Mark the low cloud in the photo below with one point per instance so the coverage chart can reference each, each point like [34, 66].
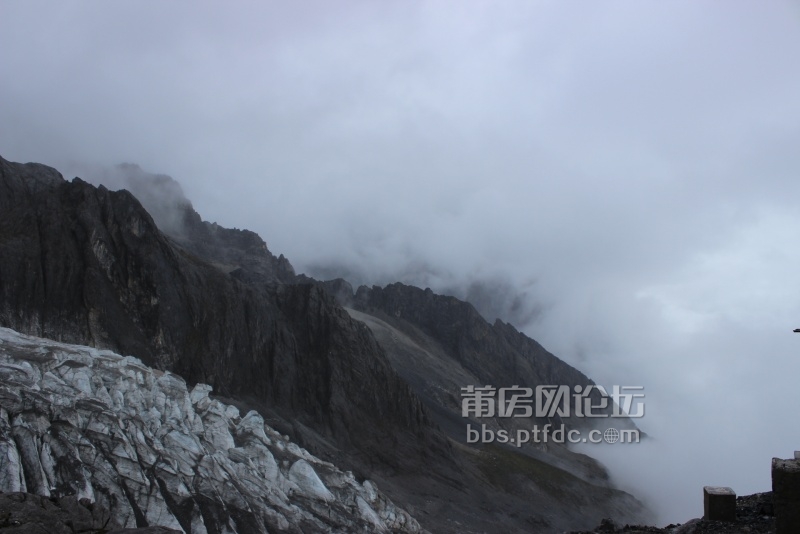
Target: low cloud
[617, 181]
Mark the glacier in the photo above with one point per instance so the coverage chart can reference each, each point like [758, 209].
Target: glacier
[81, 421]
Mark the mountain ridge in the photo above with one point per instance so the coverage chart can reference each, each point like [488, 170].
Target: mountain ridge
[95, 268]
[215, 306]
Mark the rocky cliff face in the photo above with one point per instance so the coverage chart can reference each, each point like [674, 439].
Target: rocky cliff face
[440, 344]
[86, 265]
[487, 354]
[230, 250]
[137, 442]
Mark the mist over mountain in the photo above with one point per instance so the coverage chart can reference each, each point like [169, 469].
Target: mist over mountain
[672, 407]
[495, 297]
[87, 265]
[617, 181]
[161, 194]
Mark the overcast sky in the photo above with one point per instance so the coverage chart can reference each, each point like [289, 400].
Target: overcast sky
[628, 169]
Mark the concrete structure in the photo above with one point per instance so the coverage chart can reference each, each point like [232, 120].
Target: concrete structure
[719, 503]
[786, 495]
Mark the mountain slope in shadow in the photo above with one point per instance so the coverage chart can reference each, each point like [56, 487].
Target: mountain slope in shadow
[86, 265]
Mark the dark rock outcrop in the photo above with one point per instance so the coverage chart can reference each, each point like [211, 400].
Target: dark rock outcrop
[754, 515]
[228, 249]
[26, 513]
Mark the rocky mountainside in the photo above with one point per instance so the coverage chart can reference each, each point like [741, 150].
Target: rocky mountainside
[240, 252]
[137, 442]
[438, 344]
[85, 265]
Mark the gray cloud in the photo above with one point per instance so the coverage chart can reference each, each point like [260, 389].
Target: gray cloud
[618, 179]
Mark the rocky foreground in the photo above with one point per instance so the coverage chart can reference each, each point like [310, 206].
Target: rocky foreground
[25, 513]
[87, 434]
[753, 515]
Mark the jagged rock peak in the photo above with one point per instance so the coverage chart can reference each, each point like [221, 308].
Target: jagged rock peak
[30, 177]
[164, 199]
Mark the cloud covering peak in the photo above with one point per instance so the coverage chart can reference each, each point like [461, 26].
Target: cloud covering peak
[622, 177]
